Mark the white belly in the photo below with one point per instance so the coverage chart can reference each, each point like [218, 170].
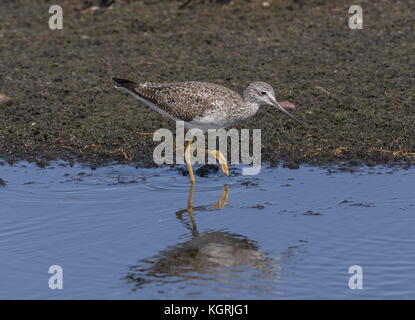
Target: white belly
[208, 122]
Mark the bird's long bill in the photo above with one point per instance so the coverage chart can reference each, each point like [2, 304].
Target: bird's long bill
[279, 107]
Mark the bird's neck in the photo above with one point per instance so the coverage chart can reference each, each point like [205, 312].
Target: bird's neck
[251, 106]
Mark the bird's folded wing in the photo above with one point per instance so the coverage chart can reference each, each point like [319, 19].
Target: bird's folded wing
[186, 100]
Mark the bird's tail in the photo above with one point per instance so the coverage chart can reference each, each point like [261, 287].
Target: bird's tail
[122, 83]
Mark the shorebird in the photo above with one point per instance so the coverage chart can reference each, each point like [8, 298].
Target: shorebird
[203, 105]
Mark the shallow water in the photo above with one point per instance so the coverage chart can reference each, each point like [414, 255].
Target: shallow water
[120, 232]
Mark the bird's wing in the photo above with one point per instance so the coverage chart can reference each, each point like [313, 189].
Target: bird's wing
[186, 100]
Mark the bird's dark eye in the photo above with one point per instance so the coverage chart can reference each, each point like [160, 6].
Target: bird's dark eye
[263, 93]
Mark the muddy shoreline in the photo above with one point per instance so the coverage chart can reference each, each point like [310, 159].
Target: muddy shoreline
[354, 88]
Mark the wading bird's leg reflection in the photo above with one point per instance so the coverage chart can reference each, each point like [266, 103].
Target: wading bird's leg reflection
[190, 207]
[223, 200]
[189, 210]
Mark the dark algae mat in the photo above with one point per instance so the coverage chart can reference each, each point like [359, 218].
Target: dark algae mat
[354, 88]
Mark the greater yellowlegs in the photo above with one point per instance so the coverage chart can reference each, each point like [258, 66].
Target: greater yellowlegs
[203, 105]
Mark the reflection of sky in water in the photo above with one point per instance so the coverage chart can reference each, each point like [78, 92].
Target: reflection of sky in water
[121, 232]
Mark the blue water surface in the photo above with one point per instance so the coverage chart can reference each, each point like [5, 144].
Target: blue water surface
[124, 233]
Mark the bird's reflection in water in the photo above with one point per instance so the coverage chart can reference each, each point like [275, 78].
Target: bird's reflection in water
[213, 255]
[223, 200]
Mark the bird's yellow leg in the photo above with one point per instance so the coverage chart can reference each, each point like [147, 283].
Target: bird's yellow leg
[187, 158]
[221, 159]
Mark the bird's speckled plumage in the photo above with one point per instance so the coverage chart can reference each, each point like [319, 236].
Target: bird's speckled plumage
[204, 106]
[201, 105]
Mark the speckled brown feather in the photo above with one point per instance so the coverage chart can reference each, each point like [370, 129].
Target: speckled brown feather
[185, 100]
[203, 105]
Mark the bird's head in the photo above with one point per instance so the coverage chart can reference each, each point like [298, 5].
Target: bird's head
[263, 94]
